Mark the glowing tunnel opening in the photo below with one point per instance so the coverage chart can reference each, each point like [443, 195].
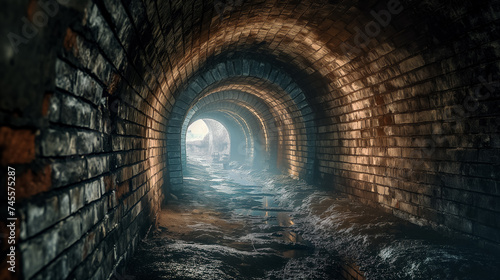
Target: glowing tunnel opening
[208, 139]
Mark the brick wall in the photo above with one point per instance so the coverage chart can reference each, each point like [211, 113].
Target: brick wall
[392, 102]
[90, 152]
[407, 135]
[404, 97]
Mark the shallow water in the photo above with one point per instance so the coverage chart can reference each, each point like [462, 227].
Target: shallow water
[240, 224]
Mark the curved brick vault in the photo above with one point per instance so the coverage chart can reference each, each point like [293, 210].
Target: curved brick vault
[273, 87]
[249, 113]
[242, 142]
[394, 103]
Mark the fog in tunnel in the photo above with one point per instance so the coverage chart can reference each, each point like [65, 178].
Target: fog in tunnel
[254, 139]
[207, 138]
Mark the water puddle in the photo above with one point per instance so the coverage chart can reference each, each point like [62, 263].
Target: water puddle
[224, 188]
[239, 224]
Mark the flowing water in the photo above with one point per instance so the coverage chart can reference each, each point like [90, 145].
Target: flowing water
[240, 224]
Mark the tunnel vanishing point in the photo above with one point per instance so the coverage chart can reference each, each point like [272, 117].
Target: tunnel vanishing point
[394, 103]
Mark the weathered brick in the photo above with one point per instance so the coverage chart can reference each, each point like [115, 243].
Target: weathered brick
[17, 146]
[76, 112]
[42, 249]
[77, 198]
[57, 143]
[93, 191]
[97, 165]
[33, 181]
[42, 214]
[67, 172]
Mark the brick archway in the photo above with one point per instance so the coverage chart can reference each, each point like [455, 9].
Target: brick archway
[265, 86]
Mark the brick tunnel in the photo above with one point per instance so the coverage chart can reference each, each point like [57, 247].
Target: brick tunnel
[393, 104]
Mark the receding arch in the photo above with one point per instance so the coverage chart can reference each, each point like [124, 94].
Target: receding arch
[256, 132]
[245, 106]
[238, 133]
[276, 90]
[208, 137]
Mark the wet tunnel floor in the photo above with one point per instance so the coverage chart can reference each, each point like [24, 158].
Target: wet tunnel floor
[240, 224]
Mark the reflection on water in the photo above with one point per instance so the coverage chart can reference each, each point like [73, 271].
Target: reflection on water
[236, 224]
